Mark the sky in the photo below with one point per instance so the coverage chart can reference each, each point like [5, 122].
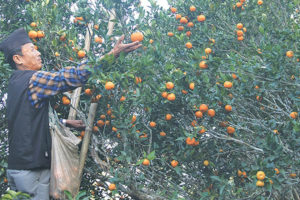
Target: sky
[162, 3]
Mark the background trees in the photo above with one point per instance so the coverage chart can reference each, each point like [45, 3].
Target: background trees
[219, 150]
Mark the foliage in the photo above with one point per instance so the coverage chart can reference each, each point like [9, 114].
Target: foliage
[264, 93]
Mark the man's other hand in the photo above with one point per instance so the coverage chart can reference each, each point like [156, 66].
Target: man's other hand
[120, 47]
[78, 124]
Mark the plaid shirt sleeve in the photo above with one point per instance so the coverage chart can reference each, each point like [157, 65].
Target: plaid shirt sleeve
[45, 84]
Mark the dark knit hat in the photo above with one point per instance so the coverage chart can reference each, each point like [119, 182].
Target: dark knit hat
[13, 41]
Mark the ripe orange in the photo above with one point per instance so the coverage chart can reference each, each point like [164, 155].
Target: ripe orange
[211, 112]
[112, 187]
[202, 130]
[180, 28]
[293, 175]
[190, 24]
[203, 64]
[133, 119]
[228, 108]
[170, 34]
[151, 41]
[184, 91]
[201, 18]
[239, 33]
[239, 173]
[212, 41]
[234, 76]
[32, 34]
[260, 183]
[227, 84]
[137, 36]
[183, 20]
[238, 4]
[171, 97]
[260, 2]
[81, 54]
[190, 141]
[239, 26]
[294, 115]
[240, 38]
[79, 18]
[230, 130]
[290, 54]
[114, 129]
[82, 133]
[192, 8]
[122, 98]
[260, 175]
[173, 10]
[146, 162]
[193, 123]
[169, 85]
[192, 86]
[152, 124]
[199, 114]
[56, 54]
[207, 51]
[162, 133]
[174, 163]
[102, 116]
[33, 24]
[40, 34]
[178, 16]
[276, 170]
[109, 85]
[188, 33]
[138, 80]
[164, 94]
[168, 117]
[66, 100]
[203, 108]
[96, 26]
[88, 91]
[206, 163]
[98, 40]
[95, 129]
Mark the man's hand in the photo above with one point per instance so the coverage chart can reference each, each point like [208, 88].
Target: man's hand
[78, 124]
[120, 47]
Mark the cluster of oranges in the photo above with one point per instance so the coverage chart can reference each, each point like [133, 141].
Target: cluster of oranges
[35, 34]
[240, 32]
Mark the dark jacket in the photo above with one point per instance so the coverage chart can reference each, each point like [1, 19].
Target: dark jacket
[29, 136]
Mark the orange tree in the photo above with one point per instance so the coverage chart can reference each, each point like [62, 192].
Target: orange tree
[207, 108]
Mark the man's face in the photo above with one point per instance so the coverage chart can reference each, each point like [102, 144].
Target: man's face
[31, 58]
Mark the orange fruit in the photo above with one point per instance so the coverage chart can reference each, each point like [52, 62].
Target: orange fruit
[96, 26]
[212, 41]
[174, 163]
[230, 130]
[293, 175]
[192, 8]
[65, 100]
[170, 34]
[183, 20]
[188, 33]
[98, 40]
[173, 10]
[102, 116]
[207, 51]
[32, 34]
[180, 28]
[260, 2]
[238, 4]
[82, 133]
[33, 24]
[137, 36]
[95, 129]
[234, 76]
[190, 24]
[114, 129]
[81, 54]
[211, 112]
[294, 115]
[190, 141]
[193, 123]
[112, 187]
[276, 171]
[240, 38]
[192, 86]
[79, 18]
[151, 41]
[88, 91]
[239, 173]
[184, 91]
[98, 97]
[162, 133]
[169, 85]
[171, 97]
[122, 98]
[290, 54]
[203, 64]
[152, 124]
[168, 117]
[109, 85]
[164, 94]
[133, 119]
[146, 162]
[109, 112]
[227, 84]
[260, 175]
[203, 57]
[239, 26]
[202, 130]
[203, 108]
[205, 162]
[178, 16]
[40, 34]
[260, 183]
[57, 54]
[245, 29]
[201, 18]
[239, 33]
[228, 108]
[244, 174]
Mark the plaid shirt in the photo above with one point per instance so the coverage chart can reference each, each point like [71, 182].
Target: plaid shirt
[43, 84]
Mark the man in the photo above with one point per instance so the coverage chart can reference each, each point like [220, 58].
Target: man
[29, 91]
